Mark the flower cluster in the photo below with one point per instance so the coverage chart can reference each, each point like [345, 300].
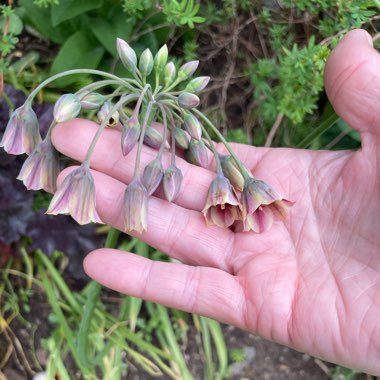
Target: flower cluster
[155, 91]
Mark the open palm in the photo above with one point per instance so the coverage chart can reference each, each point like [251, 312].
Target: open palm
[311, 282]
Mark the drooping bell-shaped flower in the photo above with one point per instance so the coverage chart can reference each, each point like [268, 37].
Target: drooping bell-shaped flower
[222, 206]
[76, 196]
[260, 204]
[130, 134]
[41, 169]
[152, 175]
[172, 182]
[66, 108]
[22, 133]
[135, 207]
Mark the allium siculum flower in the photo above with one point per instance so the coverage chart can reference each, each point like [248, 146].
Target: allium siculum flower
[172, 182]
[222, 207]
[152, 175]
[22, 134]
[66, 108]
[130, 134]
[260, 204]
[197, 153]
[41, 169]
[76, 196]
[232, 172]
[136, 207]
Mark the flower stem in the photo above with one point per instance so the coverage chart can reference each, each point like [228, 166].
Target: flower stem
[136, 174]
[172, 136]
[215, 153]
[140, 100]
[96, 85]
[76, 71]
[120, 103]
[164, 121]
[244, 171]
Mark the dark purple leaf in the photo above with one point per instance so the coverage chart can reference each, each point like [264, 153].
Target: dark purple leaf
[50, 233]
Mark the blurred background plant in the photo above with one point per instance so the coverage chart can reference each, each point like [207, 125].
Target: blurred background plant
[266, 60]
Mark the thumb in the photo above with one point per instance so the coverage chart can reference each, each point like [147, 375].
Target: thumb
[352, 81]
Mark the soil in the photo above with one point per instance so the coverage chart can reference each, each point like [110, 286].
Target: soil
[261, 359]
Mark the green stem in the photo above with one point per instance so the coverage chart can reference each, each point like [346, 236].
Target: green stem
[177, 81]
[140, 100]
[136, 173]
[156, 87]
[93, 292]
[319, 130]
[215, 153]
[52, 298]
[76, 71]
[96, 85]
[172, 137]
[164, 121]
[242, 168]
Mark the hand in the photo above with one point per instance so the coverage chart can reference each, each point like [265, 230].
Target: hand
[311, 282]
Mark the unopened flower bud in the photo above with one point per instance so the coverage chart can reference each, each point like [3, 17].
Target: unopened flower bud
[197, 153]
[172, 182]
[232, 172]
[146, 62]
[66, 108]
[76, 196]
[193, 126]
[135, 207]
[22, 132]
[187, 70]
[104, 113]
[153, 138]
[169, 73]
[92, 101]
[197, 84]
[41, 169]
[187, 100]
[181, 138]
[160, 59]
[127, 55]
[130, 134]
[152, 175]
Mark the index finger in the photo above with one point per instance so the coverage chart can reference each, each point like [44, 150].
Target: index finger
[73, 140]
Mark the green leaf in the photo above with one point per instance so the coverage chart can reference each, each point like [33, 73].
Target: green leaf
[106, 31]
[80, 51]
[67, 9]
[40, 19]
[14, 26]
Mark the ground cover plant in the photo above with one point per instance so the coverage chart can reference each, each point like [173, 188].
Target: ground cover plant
[266, 61]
